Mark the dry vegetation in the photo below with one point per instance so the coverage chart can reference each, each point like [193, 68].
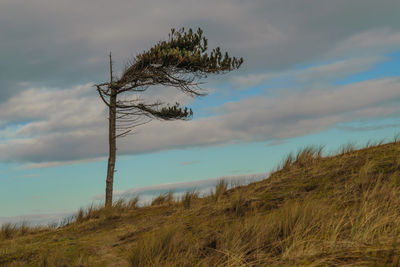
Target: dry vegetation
[341, 210]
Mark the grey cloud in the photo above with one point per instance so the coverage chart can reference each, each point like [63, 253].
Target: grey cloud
[64, 43]
[49, 164]
[55, 44]
[252, 79]
[41, 104]
[55, 147]
[253, 119]
[338, 69]
[321, 74]
[373, 41]
[47, 110]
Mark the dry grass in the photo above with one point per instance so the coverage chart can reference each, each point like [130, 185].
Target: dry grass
[219, 191]
[164, 199]
[304, 157]
[341, 210]
[118, 208]
[188, 198]
[10, 231]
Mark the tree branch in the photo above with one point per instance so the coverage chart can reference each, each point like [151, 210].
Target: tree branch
[100, 91]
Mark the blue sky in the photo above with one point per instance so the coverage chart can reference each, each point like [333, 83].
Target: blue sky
[307, 80]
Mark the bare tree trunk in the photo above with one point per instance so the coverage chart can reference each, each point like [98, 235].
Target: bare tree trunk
[111, 141]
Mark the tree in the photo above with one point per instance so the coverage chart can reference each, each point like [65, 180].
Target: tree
[179, 62]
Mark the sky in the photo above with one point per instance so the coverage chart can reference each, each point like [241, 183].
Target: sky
[315, 72]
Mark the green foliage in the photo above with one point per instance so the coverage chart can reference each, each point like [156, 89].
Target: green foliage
[168, 112]
[186, 52]
[176, 111]
[177, 62]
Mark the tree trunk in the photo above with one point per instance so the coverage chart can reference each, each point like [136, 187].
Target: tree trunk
[112, 149]
[111, 140]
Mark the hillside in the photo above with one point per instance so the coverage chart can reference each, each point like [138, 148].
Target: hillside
[341, 210]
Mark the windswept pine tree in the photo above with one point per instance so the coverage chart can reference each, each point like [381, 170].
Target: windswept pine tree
[179, 62]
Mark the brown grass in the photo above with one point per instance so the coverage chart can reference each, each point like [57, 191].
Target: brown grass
[341, 210]
[164, 199]
[188, 198]
[219, 191]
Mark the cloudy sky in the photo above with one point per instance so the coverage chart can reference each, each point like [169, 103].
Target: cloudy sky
[315, 72]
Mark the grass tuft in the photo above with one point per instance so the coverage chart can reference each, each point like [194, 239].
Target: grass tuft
[188, 198]
[303, 158]
[8, 230]
[164, 199]
[347, 148]
[219, 191]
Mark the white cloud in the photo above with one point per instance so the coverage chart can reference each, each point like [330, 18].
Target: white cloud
[319, 74]
[337, 69]
[57, 141]
[54, 104]
[56, 163]
[53, 43]
[249, 80]
[371, 41]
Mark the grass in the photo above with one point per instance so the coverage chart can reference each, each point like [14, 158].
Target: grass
[9, 231]
[188, 198]
[220, 190]
[164, 199]
[339, 210]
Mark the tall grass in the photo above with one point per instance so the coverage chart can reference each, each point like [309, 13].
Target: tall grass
[13, 230]
[8, 230]
[188, 198]
[356, 223]
[164, 199]
[119, 207]
[304, 157]
[219, 191]
[341, 210]
[306, 232]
